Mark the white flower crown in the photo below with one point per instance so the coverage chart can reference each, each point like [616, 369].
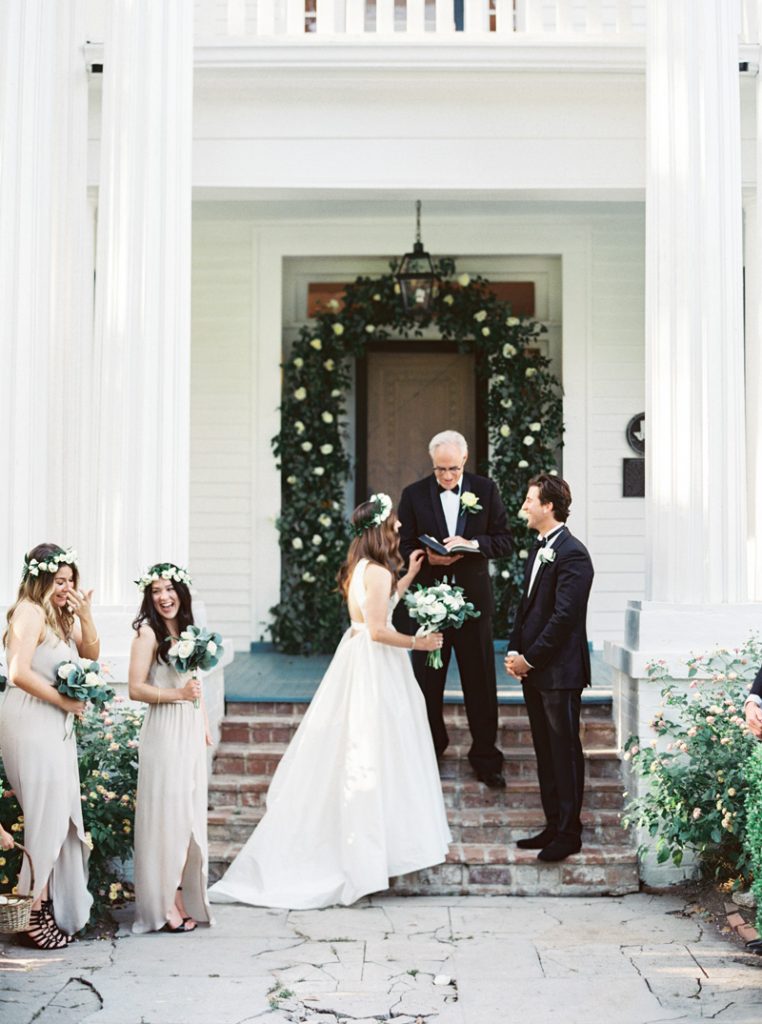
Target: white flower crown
[381, 512]
[33, 568]
[163, 571]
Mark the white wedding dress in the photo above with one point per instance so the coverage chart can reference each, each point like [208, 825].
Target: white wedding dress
[356, 798]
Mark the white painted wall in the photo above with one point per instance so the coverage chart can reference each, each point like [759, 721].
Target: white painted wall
[239, 316]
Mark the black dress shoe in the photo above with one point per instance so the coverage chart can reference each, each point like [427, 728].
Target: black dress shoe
[538, 842]
[560, 849]
[492, 779]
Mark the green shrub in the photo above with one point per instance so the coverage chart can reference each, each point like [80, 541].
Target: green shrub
[696, 767]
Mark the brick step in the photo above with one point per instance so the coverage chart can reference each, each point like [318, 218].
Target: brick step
[489, 869]
[597, 731]
[496, 825]
[263, 758]
[231, 790]
[452, 712]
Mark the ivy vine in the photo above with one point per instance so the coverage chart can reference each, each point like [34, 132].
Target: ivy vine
[524, 425]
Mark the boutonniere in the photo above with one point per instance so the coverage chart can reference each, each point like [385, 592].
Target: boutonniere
[546, 555]
[470, 503]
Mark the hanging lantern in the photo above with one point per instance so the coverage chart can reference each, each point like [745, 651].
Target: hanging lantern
[419, 285]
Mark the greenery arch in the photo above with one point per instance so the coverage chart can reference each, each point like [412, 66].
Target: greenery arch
[524, 414]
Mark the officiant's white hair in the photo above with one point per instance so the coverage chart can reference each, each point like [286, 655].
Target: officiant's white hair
[448, 437]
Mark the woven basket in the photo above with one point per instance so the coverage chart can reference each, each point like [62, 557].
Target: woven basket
[15, 911]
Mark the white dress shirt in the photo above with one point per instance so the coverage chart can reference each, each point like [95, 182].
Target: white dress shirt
[451, 508]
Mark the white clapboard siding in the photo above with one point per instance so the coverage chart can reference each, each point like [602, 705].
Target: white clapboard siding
[220, 515]
[615, 525]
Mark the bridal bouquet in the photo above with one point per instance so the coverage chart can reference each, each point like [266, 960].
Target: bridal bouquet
[83, 681]
[438, 607]
[195, 650]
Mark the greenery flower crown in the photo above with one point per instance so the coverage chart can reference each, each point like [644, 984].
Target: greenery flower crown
[163, 571]
[382, 507]
[51, 564]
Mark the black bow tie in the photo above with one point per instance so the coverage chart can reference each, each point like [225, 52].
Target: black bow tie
[452, 490]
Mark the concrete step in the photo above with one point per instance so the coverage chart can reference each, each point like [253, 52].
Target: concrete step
[493, 825]
[263, 758]
[597, 731]
[232, 790]
[495, 869]
[591, 708]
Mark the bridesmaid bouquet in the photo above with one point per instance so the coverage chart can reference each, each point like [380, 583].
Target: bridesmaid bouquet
[196, 649]
[441, 606]
[82, 682]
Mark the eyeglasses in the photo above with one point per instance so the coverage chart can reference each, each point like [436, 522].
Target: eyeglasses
[441, 470]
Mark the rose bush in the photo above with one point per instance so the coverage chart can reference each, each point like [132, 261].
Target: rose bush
[696, 763]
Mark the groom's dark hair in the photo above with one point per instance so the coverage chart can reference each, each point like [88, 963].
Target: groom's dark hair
[553, 491]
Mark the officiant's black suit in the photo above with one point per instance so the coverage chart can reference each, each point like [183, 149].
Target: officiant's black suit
[550, 631]
[420, 511]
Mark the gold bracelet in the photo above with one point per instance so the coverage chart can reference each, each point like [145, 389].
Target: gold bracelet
[412, 642]
[89, 643]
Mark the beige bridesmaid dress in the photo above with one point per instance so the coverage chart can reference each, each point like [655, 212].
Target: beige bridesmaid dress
[39, 752]
[170, 817]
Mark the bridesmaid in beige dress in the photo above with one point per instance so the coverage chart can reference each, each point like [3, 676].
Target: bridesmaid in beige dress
[50, 622]
[170, 818]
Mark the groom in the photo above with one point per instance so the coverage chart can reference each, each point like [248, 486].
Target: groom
[459, 508]
[548, 652]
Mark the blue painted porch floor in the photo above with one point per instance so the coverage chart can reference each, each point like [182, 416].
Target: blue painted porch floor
[265, 675]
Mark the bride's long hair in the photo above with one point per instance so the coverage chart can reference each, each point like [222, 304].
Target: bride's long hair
[379, 544]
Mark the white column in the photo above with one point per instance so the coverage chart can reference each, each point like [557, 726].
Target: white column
[696, 491]
[45, 280]
[142, 325]
[753, 241]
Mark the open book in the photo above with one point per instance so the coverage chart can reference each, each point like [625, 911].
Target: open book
[438, 547]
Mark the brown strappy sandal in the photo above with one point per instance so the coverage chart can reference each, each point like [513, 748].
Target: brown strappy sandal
[41, 934]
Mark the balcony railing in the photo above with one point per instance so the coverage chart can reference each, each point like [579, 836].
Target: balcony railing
[238, 20]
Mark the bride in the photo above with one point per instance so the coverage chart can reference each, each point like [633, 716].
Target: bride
[356, 798]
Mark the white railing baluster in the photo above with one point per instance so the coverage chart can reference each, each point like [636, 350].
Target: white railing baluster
[295, 17]
[384, 17]
[415, 24]
[355, 17]
[594, 20]
[624, 16]
[476, 16]
[265, 17]
[749, 22]
[531, 16]
[203, 21]
[326, 17]
[236, 18]
[445, 17]
[504, 18]
[564, 16]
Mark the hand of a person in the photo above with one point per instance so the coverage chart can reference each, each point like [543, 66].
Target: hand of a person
[6, 839]
[516, 666]
[452, 541]
[431, 642]
[435, 559]
[191, 690]
[415, 562]
[754, 718]
[71, 706]
[80, 603]
[208, 738]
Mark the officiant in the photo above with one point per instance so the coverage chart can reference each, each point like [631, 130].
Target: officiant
[463, 511]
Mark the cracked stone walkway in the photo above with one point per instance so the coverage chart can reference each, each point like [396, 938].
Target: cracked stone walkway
[471, 960]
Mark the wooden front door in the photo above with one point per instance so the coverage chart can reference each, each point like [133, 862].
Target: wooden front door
[405, 396]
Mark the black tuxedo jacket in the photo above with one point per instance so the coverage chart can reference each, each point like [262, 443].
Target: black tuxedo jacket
[550, 628]
[756, 686]
[420, 511]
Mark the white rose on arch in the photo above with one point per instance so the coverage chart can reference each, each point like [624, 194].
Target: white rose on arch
[317, 344]
[300, 394]
[505, 430]
[481, 316]
[297, 543]
[535, 427]
[326, 417]
[528, 440]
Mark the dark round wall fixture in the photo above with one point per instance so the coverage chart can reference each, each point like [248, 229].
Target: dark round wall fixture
[636, 433]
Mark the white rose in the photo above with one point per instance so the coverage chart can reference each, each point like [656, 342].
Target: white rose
[505, 430]
[299, 427]
[298, 362]
[318, 470]
[530, 371]
[523, 553]
[326, 417]
[505, 574]
[509, 351]
[486, 332]
[464, 280]
[173, 651]
[326, 449]
[397, 289]
[522, 464]
[306, 446]
[448, 299]
[321, 558]
[300, 394]
[92, 679]
[377, 297]
[297, 543]
[324, 520]
[329, 365]
[370, 328]
[512, 321]
[469, 499]
[528, 440]
[317, 540]
[65, 669]
[185, 648]
[291, 480]
[553, 472]
[535, 426]
[338, 330]
[316, 343]
[481, 316]
[308, 577]
[211, 647]
[333, 304]
[506, 403]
